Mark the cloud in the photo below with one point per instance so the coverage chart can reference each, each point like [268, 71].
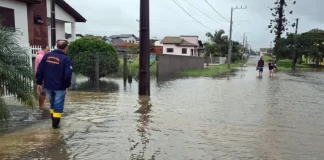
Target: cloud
[107, 17]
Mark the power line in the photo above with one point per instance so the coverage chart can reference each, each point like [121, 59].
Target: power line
[198, 9]
[190, 15]
[216, 10]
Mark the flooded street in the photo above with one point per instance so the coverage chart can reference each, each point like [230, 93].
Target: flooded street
[240, 116]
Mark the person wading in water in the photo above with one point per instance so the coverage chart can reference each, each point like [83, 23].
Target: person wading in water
[260, 66]
[55, 70]
[272, 67]
[39, 57]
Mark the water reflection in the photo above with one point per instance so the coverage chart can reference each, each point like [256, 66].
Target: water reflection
[138, 149]
[102, 86]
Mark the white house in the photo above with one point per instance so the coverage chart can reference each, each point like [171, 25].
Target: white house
[264, 51]
[32, 19]
[183, 45]
[130, 38]
[158, 43]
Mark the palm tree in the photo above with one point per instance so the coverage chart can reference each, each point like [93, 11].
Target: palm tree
[220, 39]
[16, 74]
[217, 37]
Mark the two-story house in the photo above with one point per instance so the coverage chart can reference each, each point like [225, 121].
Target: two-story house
[31, 18]
[183, 45]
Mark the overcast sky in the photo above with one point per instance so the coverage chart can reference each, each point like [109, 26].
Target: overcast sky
[107, 17]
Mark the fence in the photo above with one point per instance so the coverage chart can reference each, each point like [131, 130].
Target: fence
[30, 58]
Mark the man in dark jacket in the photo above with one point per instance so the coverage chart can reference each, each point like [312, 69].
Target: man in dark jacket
[260, 66]
[55, 70]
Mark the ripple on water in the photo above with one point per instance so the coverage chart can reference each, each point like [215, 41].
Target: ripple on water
[240, 117]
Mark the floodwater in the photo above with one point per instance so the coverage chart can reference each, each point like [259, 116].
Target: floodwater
[240, 116]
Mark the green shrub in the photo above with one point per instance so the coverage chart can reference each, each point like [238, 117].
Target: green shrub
[83, 54]
[235, 57]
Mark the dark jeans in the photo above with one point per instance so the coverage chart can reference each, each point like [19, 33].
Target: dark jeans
[56, 99]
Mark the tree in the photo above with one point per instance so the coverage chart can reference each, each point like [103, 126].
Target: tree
[314, 44]
[83, 54]
[133, 49]
[220, 39]
[279, 23]
[16, 74]
[211, 48]
[310, 44]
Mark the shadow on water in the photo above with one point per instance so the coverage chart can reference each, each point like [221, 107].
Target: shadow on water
[144, 119]
[103, 86]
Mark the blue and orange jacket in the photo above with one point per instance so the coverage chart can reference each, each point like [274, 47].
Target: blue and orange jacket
[55, 70]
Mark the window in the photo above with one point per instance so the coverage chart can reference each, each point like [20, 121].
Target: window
[170, 50]
[7, 17]
[184, 50]
[38, 19]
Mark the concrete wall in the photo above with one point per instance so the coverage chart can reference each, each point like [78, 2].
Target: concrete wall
[21, 23]
[168, 64]
[218, 60]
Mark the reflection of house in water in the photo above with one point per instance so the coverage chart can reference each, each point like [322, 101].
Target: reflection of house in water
[103, 86]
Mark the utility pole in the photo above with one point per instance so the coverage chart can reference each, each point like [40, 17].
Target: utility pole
[243, 50]
[144, 58]
[53, 24]
[230, 37]
[246, 44]
[270, 50]
[294, 58]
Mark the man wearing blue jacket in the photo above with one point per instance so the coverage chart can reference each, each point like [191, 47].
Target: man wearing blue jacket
[55, 70]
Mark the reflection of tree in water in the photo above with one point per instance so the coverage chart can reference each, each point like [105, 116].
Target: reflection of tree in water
[103, 86]
[143, 129]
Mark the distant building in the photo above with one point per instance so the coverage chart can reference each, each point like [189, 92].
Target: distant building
[69, 37]
[157, 47]
[130, 38]
[183, 45]
[264, 51]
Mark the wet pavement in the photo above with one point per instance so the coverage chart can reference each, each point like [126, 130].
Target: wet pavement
[241, 116]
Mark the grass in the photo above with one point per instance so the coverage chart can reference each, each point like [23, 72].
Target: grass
[286, 65]
[268, 58]
[211, 71]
